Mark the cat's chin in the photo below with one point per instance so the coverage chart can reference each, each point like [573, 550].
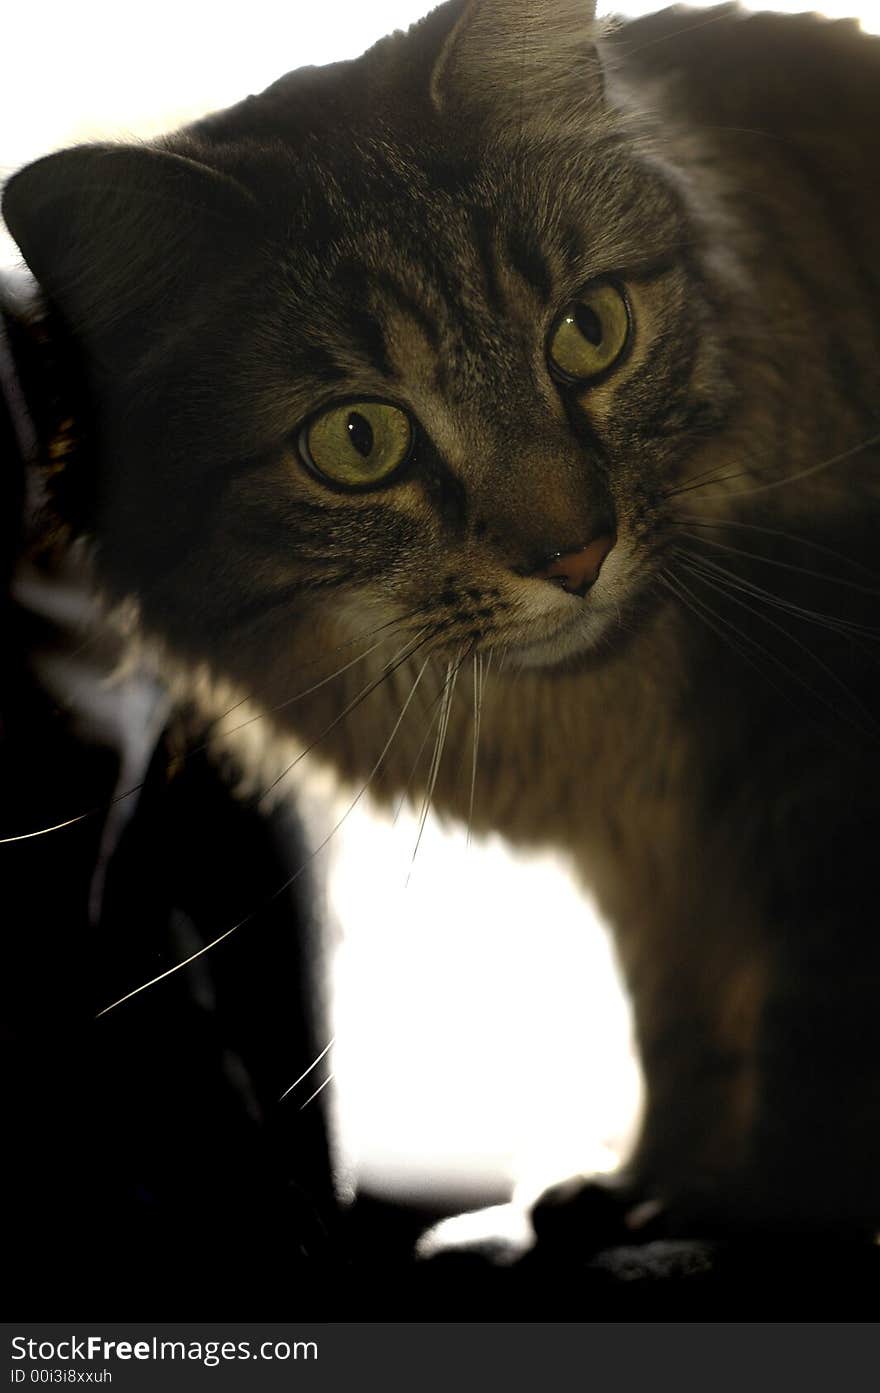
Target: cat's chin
[588, 635]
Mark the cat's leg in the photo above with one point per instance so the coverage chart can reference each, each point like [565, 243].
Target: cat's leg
[698, 992]
[814, 1155]
[759, 1033]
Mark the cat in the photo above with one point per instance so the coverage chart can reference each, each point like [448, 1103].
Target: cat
[539, 356]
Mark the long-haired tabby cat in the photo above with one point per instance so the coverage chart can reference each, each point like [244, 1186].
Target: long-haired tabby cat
[521, 380]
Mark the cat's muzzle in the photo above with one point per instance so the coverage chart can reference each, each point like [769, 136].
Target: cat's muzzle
[577, 571]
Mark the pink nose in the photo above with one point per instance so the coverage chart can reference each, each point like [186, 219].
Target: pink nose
[577, 571]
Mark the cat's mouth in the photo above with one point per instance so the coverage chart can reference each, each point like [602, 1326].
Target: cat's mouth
[583, 633]
[557, 625]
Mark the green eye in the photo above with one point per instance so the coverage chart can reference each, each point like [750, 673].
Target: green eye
[358, 445]
[590, 334]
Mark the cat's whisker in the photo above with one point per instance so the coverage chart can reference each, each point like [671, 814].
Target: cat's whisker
[300, 696]
[305, 1073]
[714, 477]
[730, 634]
[695, 480]
[408, 651]
[726, 590]
[69, 822]
[693, 521]
[395, 625]
[714, 18]
[747, 587]
[478, 709]
[807, 473]
[435, 710]
[321, 1086]
[103, 808]
[812, 469]
[435, 764]
[185, 962]
[291, 880]
[452, 670]
[766, 653]
[783, 565]
[412, 773]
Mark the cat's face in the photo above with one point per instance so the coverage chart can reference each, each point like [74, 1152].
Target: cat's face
[488, 370]
[417, 354]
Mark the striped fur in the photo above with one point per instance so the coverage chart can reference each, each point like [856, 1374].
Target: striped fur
[408, 227]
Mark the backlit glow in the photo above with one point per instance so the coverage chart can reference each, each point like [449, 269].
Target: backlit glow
[483, 1040]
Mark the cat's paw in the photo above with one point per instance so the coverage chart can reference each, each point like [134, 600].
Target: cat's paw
[587, 1214]
[499, 1235]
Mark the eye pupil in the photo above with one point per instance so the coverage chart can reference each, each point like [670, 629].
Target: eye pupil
[590, 335]
[357, 444]
[360, 433]
[589, 324]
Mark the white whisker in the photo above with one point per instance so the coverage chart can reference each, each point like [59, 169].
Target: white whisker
[812, 468]
[780, 602]
[57, 826]
[291, 879]
[306, 1072]
[693, 521]
[409, 649]
[270, 710]
[724, 628]
[319, 1089]
[212, 724]
[176, 968]
[703, 481]
[448, 689]
[725, 589]
[478, 710]
[438, 704]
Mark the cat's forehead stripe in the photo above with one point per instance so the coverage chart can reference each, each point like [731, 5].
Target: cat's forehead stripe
[528, 259]
[455, 311]
[448, 296]
[407, 303]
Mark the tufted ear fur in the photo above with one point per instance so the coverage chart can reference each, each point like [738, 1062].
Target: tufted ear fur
[121, 239]
[515, 61]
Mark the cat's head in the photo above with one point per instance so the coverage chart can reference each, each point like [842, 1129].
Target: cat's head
[426, 336]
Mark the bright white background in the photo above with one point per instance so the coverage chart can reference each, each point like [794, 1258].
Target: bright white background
[481, 1034]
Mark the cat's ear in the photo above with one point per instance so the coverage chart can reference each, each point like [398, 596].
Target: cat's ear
[515, 61]
[121, 238]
